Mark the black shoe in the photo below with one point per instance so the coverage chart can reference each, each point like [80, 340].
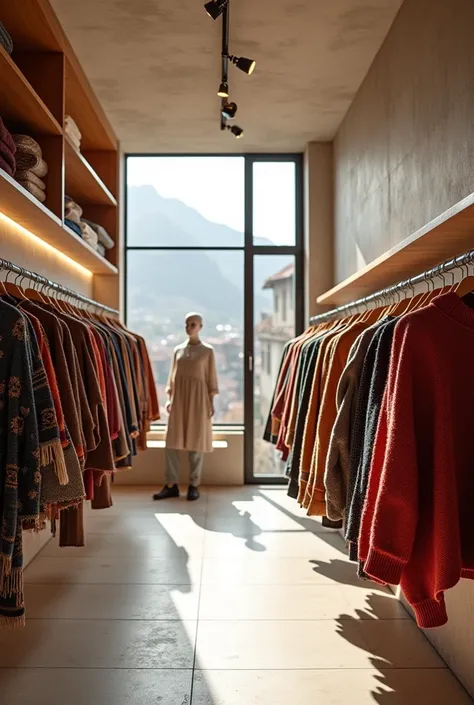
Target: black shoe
[167, 492]
[193, 493]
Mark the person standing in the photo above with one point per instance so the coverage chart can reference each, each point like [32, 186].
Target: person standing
[191, 389]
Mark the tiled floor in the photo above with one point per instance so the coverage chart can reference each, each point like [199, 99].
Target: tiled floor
[237, 599]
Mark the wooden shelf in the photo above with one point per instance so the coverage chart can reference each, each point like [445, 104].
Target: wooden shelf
[19, 205]
[82, 182]
[447, 236]
[19, 102]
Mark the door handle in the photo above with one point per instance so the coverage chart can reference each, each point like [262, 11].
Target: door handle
[250, 363]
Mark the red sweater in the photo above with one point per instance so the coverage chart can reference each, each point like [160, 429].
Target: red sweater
[417, 526]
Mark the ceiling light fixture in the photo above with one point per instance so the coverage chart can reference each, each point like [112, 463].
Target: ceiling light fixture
[236, 131]
[229, 110]
[244, 64]
[215, 8]
[223, 91]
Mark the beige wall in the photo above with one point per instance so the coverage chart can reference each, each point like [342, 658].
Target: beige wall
[403, 155]
[318, 221]
[405, 150]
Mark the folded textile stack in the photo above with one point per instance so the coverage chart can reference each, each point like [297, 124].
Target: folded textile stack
[31, 167]
[7, 151]
[73, 215]
[102, 235]
[5, 39]
[73, 132]
[88, 235]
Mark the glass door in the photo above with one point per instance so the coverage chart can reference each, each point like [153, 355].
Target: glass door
[274, 297]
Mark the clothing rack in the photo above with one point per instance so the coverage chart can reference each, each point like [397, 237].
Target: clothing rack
[8, 266]
[381, 295]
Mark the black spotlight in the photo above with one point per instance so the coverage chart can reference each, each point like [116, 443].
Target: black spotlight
[223, 91]
[215, 8]
[229, 110]
[236, 131]
[245, 65]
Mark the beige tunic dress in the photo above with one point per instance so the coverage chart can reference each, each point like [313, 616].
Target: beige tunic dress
[191, 386]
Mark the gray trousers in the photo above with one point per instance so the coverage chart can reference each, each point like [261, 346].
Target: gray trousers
[196, 461]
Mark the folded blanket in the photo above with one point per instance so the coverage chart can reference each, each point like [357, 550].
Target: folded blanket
[27, 145]
[5, 39]
[28, 175]
[72, 131]
[100, 249]
[72, 210]
[74, 226]
[102, 234]
[6, 137]
[34, 190]
[29, 156]
[7, 156]
[6, 167]
[89, 235]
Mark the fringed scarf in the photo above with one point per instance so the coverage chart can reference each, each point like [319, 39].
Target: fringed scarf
[20, 477]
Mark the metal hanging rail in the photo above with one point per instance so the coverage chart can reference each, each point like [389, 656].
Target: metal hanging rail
[438, 271]
[8, 266]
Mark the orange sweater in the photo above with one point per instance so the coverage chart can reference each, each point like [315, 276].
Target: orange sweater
[312, 413]
[336, 360]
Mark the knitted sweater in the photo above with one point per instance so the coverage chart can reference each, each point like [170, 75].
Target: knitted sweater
[372, 386]
[337, 360]
[417, 521]
[338, 457]
[308, 364]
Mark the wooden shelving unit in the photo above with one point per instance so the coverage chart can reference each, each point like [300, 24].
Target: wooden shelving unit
[23, 208]
[447, 236]
[82, 183]
[20, 103]
[40, 84]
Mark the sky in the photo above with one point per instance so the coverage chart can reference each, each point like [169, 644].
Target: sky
[214, 186]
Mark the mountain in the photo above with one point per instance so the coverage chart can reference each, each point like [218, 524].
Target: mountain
[172, 282]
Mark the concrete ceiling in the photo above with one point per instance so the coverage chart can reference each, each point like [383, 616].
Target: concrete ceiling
[155, 66]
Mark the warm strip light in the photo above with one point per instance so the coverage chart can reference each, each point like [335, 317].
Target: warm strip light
[49, 248]
[162, 444]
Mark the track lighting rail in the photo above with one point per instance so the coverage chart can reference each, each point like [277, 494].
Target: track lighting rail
[216, 9]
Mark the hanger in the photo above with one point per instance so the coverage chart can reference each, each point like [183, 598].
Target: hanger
[34, 294]
[11, 287]
[466, 285]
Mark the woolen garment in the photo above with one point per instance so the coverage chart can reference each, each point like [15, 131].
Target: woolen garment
[311, 420]
[6, 138]
[268, 435]
[7, 157]
[371, 390]
[102, 234]
[338, 458]
[5, 39]
[89, 235]
[19, 458]
[6, 167]
[32, 188]
[191, 387]
[336, 357]
[73, 225]
[417, 528]
[311, 356]
[28, 175]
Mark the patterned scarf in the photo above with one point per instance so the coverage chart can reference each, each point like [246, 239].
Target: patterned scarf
[20, 476]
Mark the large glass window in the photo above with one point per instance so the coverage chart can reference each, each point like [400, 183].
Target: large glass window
[221, 236]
